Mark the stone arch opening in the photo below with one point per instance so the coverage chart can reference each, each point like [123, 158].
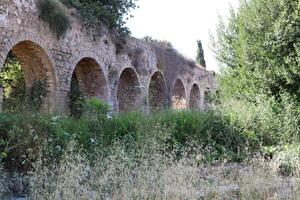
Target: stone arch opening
[178, 101]
[128, 92]
[39, 81]
[195, 100]
[89, 79]
[157, 92]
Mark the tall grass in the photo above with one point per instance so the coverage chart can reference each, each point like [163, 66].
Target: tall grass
[144, 174]
[23, 135]
[169, 155]
[270, 121]
[4, 183]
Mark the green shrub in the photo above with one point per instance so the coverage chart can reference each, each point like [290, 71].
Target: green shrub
[97, 107]
[76, 102]
[53, 12]
[37, 93]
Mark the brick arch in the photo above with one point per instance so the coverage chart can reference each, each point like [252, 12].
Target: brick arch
[157, 94]
[36, 65]
[91, 79]
[128, 91]
[178, 101]
[195, 97]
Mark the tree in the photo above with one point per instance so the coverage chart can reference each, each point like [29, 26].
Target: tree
[259, 49]
[200, 54]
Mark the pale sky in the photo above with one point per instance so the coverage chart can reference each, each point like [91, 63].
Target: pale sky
[182, 22]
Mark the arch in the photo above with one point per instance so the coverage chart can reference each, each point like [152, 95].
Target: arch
[90, 79]
[178, 101]
[36, 66]
[195, 99]
[157, 94]
[128, 92]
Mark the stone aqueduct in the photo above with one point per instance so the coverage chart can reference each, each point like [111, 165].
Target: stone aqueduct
[129, 75]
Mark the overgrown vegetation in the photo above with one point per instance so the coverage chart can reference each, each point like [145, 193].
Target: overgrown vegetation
[152, 172]
[17, 97]
[254, 121]
[76, 99]
[13, 83]
[112, 13]
[95, 13]
[259, 82]
[24, 135]
[89, 152]
[54, 13]
[162, 43]
[259, 50]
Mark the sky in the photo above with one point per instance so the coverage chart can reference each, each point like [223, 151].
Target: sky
[182, 22]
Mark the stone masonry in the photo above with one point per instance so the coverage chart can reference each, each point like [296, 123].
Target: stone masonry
[129, 75]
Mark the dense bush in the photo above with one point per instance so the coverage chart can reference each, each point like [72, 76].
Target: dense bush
[259, 82]
[17, 97]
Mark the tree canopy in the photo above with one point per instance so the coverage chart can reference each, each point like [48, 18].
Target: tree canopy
[259, 49]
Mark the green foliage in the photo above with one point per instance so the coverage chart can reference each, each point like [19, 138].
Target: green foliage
[259, 82]
[259, 48]
[13, 82]
[76, 99]
[97, 107]
[16, 96]
[113, 13]
[270, 122]
[37, 93]
[23, 136]
[53, 12]
[200, 54]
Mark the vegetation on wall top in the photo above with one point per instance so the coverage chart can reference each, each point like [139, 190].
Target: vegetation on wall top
[113, 13]
[54, 13]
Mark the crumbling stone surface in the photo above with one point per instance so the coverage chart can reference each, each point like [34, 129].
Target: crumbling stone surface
[129, 74]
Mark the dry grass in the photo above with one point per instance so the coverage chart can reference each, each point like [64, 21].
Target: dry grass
[4, 183]
[155, 175]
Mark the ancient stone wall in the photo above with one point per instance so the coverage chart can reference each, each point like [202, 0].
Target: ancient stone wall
[131, 75]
